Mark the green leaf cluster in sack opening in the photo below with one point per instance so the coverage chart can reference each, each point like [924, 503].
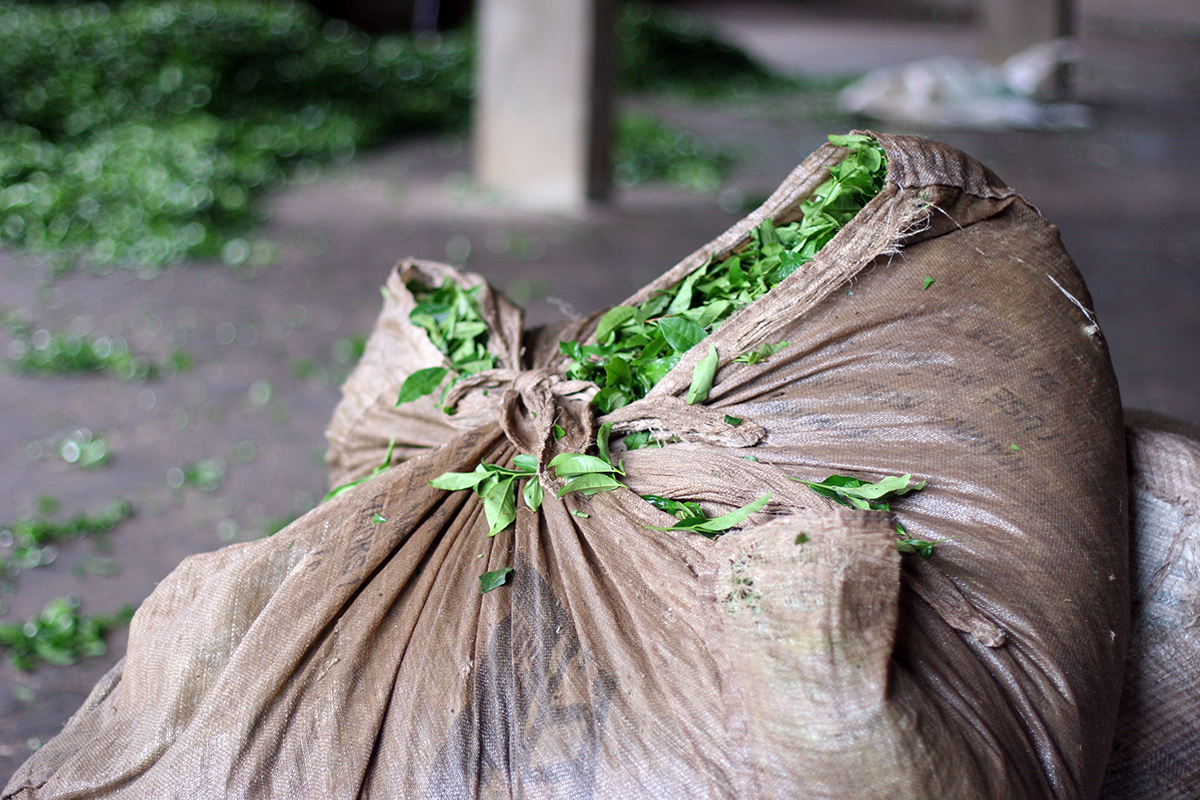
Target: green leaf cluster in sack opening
[635, 347]
[450, 317]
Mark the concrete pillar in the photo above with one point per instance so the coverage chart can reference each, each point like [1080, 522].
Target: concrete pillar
[543, 106]
[1010, 26]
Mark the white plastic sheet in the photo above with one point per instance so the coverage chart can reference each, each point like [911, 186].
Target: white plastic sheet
[949, 92]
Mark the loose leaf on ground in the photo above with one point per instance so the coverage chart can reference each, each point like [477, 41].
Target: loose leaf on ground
[29, 542]
[61, 634]
[493, 579]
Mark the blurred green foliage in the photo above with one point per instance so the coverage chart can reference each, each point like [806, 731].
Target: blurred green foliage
[60, 635]
[646, 149]
[29, 542]
[663, 50]
[44, 352]
[141, 133]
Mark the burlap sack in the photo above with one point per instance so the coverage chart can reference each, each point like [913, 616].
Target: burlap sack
[352, 657]
[1157, 751]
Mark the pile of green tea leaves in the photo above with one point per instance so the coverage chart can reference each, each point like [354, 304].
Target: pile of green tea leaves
[60, 635]
[636, 346]
[143, 132]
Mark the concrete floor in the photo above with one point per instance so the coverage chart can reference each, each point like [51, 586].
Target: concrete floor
[265, 343]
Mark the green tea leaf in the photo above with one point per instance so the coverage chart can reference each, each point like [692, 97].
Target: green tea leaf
[501, 472]
[683, 294]
[559, 433]
[581, 514]
[681, 334]
[721, 523]
[493, 579]
[761, 354]
[383, 465]
[525, 463]
[702, 377]
[533, 494]
[500, 505]
[613, 319]
[378, 518]
[734, 421]
[860, 494]
[589, 484]
[420, 383]
[852, 140]
[569, 464]
[735, 517]
[681, 509]
[456, 481]
[928, 282]
[769, 241]
[602, 437]
[871, 158]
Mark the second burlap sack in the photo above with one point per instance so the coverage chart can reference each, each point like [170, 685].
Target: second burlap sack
[353, 654]
[1157, 750]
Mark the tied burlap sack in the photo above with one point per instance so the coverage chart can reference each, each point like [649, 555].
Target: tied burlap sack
[1157, 751]
[353, 654]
